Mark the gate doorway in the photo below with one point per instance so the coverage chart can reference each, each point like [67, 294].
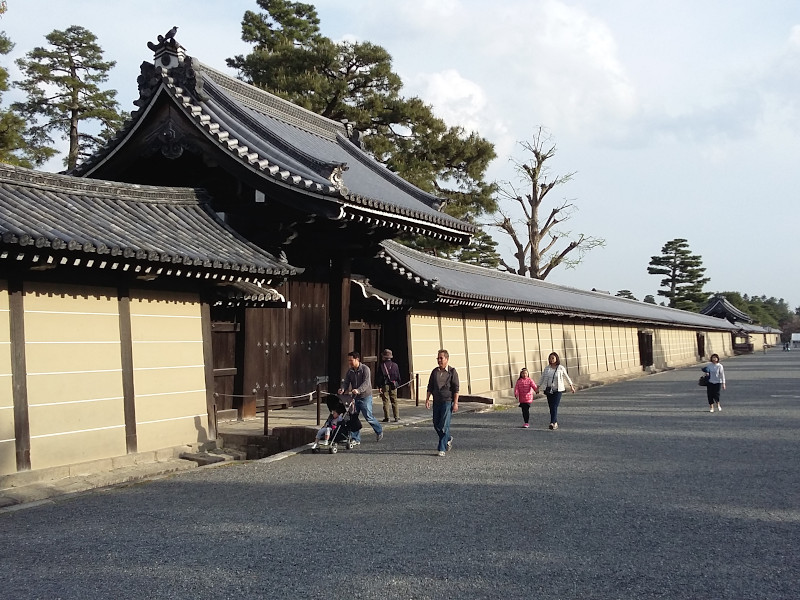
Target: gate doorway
[701, 345]
[365, 338]
[646, 349]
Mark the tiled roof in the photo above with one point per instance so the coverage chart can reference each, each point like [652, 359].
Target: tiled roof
[459, 284]
[370, 292]
[153, 230]
[719, 306]
[248, 294]
[289, 146]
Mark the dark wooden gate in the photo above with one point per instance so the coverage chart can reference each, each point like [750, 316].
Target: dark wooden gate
[285, 349]
[227, 377]
[365, 338]
[701, 345]
[645, 349]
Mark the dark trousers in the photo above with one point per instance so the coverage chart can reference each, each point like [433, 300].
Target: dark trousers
[712, 391]
[553, 400]
[526, 411]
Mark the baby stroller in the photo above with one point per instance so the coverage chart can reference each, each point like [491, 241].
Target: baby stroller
[350, 423]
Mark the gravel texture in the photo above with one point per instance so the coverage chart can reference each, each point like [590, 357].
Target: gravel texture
[641, 493]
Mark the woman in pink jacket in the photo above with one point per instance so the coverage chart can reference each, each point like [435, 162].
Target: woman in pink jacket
[523, 392]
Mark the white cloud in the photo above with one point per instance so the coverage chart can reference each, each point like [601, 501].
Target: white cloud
[454, 98]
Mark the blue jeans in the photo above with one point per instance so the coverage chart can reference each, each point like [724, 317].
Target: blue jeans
[553, 400]
[442, 413]
[364, 407]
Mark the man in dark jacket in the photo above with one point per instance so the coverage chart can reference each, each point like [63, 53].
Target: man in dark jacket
[387, 380]
[443, 386]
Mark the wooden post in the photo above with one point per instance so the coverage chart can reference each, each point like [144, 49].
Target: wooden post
[266, 410]
[319, 397]
[416, 381]
[339, 319]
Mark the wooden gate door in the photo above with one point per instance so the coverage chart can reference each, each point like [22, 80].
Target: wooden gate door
[266, 360]
[365, 338]
[224, 344]
[307, 335]
[645, 349]
[701, 345]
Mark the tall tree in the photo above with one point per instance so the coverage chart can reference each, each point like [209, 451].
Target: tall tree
[14, 149]
[62, 87]
[536, 234]
[626, 294]
[354, 82]
[683, 275]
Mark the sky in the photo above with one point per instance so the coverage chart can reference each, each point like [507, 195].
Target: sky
[680, 118]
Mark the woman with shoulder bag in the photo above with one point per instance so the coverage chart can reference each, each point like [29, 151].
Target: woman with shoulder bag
[716, 380]
[552, 382]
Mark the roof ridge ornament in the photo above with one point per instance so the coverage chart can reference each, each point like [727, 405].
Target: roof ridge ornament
[168, 51]
[336, 177]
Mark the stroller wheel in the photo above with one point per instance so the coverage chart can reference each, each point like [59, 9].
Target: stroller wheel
[333, 449]
[349, 445]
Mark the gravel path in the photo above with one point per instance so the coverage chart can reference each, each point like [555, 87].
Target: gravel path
[641, 493]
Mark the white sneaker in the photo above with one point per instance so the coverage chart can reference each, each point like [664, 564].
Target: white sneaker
[442, 453]
[719, 408]
[323, 442]
[711, 409]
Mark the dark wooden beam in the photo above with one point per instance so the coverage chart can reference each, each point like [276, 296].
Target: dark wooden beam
[208, 361]
[339, 323]
[19, 375]
[126, 358]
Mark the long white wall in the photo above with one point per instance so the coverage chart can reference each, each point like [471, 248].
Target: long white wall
[489, 349]
[74, 376]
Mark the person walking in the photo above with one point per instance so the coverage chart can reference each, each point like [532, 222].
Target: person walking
[552, 382]
[443, 386]
[524, 390]
[388, 380]
[358, 383]
[716, 380]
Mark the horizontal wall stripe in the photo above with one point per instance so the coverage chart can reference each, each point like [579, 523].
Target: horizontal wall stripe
[68, 312]
[76, 342]
[164, 316]
[171, 419]
[75, 402]
[162, 368]
[7, 441]
[75, 372]
[170, 393]
[168, 341]
[47, 435]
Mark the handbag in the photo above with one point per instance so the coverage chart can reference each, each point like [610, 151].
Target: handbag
[703, 381]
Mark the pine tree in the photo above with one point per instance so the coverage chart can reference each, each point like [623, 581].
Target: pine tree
[354, 82]
[625, 294]
[14, 150]
[61, 83]
[683, 275]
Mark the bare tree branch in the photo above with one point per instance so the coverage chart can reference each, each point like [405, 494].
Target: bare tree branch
[534, 240]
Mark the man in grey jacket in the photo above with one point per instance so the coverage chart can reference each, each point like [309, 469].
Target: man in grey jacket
[358, 383]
